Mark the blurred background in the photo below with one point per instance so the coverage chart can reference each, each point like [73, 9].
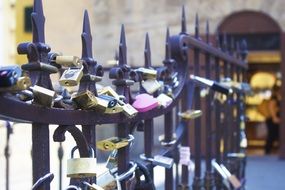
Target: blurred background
[260, 22]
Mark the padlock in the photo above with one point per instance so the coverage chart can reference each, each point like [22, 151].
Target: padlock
[71, 76]
[220, 171]
[9, 75]
[108, 91]
[81, 167]
[128, 110]
[85, 100]
[215, 86]
[43, 96]
[68, 61]
[163, 142]
[112, 162]
[92, 186]
[113, 143]
[89, 77]
[190, 114]
[22, 83]
[231, 178]
[147, 73]
[159, 160]
[151, 85]
[110, 101]
[164, 100]
[145, 102]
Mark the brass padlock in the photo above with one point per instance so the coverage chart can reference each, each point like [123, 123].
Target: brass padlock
[71, 76]
[110, 101]
[68, 61]
[113, 110]
[108, 104]
[43, 96]
[151, 85]
[112, 143]
[190, 114]
[129, 110]
[85, 100]
[147, 73]
[108, 91]
[22, 84]
[81, 167]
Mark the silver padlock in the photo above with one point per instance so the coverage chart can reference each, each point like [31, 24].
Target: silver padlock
[81, 167]
[43, 96]
[93, 186]
[220, 171]
[231, 178]
[71, 76]
[164, 100]
[112, 162]
[159, 160]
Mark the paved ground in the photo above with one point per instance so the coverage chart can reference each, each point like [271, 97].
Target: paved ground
[263, 173]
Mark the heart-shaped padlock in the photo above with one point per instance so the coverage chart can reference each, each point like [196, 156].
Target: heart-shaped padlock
[145, 102]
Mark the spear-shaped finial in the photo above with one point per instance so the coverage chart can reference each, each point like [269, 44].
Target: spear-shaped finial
[207, 32]
[237, 50]
[197, 26]
[232, 45]
[183, 21]
[225, 42]
[147, 52]
[218, 44]
[167, 46]
[38, 22]
[243, 49]
[86, 37]
[123, 48]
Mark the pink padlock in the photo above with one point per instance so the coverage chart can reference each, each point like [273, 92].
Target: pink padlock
[145, 102]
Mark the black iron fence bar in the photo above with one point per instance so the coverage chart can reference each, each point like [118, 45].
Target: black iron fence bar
[204, 47]
[197, 105]
[218, 127]
[239, 113]
[209, 178]
[148, 124]
[168, 137]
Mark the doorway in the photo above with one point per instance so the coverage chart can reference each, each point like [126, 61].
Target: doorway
[263, 36]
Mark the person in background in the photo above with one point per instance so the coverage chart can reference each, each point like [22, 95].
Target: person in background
[273, 121]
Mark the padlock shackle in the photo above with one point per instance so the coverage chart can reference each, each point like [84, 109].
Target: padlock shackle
[90, 155]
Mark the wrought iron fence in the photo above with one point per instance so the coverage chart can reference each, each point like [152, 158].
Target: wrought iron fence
[193, 72]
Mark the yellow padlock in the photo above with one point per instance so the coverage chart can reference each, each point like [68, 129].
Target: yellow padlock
[85, 100]
[112, 143]
[81, 167]
[190, 114]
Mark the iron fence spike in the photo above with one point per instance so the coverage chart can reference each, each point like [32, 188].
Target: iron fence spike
[38, 22]
[86, 37]
[147, 52]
